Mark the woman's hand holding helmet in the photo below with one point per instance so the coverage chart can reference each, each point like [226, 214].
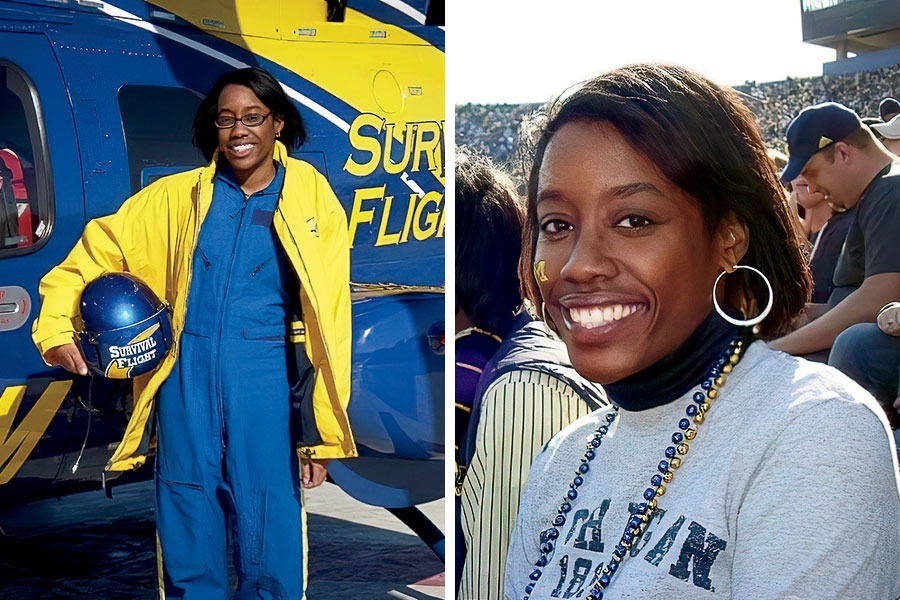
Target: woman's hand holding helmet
[67, 356]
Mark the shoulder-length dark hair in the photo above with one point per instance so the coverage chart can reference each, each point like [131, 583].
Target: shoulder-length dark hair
[489, 218]
[267, 89]
[706, 142]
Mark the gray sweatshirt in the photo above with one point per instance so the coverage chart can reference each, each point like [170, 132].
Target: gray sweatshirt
[790, 490]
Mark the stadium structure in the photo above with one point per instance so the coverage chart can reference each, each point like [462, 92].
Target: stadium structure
[865, 34]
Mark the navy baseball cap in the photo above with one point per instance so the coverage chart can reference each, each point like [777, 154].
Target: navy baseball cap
[813, 129]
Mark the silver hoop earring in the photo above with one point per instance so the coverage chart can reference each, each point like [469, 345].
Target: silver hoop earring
[748, 322]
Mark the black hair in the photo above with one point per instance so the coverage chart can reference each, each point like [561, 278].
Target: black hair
[489, 220]
[267, 89]
[706, 142]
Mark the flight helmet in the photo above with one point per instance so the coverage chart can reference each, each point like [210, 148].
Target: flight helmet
[127, 329]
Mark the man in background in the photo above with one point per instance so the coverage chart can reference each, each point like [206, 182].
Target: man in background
[838, 156]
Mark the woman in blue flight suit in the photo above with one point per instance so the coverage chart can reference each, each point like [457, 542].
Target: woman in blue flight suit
[227, 425]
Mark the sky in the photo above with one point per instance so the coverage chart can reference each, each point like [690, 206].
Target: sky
[530, 50]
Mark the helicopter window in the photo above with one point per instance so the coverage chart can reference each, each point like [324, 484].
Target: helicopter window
[434, 12]
[156, 149]
[25, 207]
[336, 11]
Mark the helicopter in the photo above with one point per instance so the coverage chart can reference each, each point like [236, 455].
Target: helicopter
[97, 100]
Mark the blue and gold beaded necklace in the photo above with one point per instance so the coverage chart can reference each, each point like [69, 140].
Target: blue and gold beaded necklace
[696, 413]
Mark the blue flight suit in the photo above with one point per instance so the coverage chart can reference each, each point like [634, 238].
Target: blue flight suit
[226, 460]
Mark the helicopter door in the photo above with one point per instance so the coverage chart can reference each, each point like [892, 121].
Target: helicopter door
[41, 215]
[41, 200]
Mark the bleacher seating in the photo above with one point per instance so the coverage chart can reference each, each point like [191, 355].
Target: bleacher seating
[494, 128]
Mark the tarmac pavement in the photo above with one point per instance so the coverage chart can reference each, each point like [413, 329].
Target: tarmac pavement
[87, 546]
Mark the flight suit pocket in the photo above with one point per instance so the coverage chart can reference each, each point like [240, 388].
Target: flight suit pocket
[201, 258]
[271, 333]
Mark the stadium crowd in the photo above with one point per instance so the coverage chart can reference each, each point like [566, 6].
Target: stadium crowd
[493, 128]
[776, 103]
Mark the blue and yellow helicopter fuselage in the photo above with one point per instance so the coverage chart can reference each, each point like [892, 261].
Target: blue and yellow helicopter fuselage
[97, 100]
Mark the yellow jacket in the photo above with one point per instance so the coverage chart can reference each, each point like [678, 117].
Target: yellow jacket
[153, 236]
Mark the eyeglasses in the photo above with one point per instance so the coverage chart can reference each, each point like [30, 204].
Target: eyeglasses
[249, 120]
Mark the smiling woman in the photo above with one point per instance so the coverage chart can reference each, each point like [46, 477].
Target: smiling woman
[657, 238]
[614, 233]
[243, 420]
[234, 119]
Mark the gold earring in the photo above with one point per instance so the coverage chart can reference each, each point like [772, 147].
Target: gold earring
[539, 273]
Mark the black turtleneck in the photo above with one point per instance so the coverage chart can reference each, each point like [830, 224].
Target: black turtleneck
[675, 374]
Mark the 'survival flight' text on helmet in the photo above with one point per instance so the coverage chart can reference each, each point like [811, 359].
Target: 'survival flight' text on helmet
[127, 329]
